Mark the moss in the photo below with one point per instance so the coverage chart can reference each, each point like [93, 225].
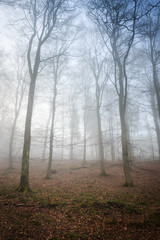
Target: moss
[23, 188]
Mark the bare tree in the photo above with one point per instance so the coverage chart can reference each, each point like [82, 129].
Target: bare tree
[42, 17]
[116, 21]
[155, 114]
[52, 125]
[96, 62]
[149, 31]
[73, 122]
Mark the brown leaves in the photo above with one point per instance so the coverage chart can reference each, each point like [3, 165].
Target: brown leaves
[82, 205]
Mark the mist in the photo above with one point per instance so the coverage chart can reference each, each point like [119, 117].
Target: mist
[80, 85]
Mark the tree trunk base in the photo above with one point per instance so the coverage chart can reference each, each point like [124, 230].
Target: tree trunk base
[23, 189]
[103, 174]
[47, 177]
[83, 165]
[128, 185]
[10, 168]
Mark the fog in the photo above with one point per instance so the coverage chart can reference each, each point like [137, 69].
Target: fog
[80, 101]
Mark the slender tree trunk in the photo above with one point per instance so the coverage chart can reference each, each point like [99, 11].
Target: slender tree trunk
[150, 137]
[18, 103]
[84, 140]
[62, 148]
[101, 148]
[24, 180]
[11, 144]
[124, 128]
[156, 120]
[129, 141]
[111, 138]
[84, 148]
[157, 89]
[71, 146]
[155, 76]
[50, 149]
[125, 150]
[94, 152]
[46, 135]
[100, 137]
[52, 132]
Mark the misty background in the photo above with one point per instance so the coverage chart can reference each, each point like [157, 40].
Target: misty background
[75, 56]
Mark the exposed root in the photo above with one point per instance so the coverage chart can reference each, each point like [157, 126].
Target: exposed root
[128, 185]
[23, 189]
[103, 174]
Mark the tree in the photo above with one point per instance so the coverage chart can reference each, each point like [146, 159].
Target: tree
[53, 108]
[149, 31]
[116, 21]
[155, 115]
[85, 120]
[96, 62]
[42, 17]
[73, 123]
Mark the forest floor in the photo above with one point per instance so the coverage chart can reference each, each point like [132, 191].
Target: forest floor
[77, 203]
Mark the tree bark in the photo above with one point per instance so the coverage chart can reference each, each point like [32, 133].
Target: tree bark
[155, 75]
[84, 146]
[84, 135]
[52, 132]
[111, 137]
[125, 150]
[24, 180]
[10, 167]
[46, 136]
[100, 138]
[156, 122]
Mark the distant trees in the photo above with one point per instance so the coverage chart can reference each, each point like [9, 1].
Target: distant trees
[21, 76]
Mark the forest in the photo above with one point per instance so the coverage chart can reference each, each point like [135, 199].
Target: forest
[80, 119]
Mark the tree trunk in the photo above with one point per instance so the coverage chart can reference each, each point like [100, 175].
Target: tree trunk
[71, 146]
[125, 149]
[62, 148]
[24, 180]
[84, 143]
[46, 136]
[10, 167]
[154, 73]
[52, 132]
[156, 84]
[50, 150]
[156, 120]
[150, 137]
[100, 138]
[111, 138]
[124, 128]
